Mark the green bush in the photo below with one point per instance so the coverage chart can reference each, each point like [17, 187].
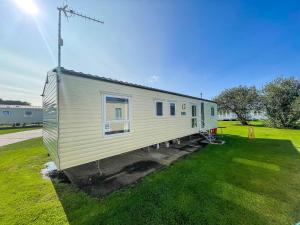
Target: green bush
[281, 99]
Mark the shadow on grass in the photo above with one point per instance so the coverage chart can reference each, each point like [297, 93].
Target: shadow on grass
[260, 124]
[257, 125]
[242, 182]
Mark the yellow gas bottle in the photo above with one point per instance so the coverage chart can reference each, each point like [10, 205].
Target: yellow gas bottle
[251, 134]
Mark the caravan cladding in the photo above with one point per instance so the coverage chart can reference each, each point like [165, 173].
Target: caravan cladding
[50, 116]
[100, 117]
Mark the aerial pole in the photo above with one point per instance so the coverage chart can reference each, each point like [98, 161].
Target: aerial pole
[68, 13]
[59, 42]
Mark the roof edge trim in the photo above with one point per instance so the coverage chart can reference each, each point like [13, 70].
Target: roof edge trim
[104, 79]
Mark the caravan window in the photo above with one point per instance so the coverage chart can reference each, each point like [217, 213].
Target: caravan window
[172, 109]
[212, 111]
[5, 113]
[116, 115]
[183, 109]
[159, 108]
[28, 114]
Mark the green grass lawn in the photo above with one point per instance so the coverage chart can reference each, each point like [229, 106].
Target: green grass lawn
[8, 130]
[242, 182]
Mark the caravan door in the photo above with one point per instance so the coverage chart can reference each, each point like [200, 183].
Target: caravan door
[202, 116]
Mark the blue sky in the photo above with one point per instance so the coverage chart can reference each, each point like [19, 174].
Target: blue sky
[184, 46]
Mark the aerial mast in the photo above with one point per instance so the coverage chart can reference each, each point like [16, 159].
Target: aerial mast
[68, 13]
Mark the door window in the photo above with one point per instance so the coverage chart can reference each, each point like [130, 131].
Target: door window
[202, 116]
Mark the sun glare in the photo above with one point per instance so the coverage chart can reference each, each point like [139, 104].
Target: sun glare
[27, 6]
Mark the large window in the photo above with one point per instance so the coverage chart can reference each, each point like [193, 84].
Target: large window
[194, 116]
[5, 113]
[28, 114]
[116, 117]
[159, 108]
[172, 109]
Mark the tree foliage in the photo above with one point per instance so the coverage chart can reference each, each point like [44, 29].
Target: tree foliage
[239, 100]
[281, 99]
[12, 102]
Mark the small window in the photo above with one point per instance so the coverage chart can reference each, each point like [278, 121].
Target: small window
[183, 109]
[118, 113]
[5, 113]
[159, 108]
[28, 114]
[212, 111]
[172, 109]
[194, 111]
[117, 119]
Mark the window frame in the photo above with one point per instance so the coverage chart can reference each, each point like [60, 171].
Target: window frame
[212, 111]
[170, 103]
[104, 121]
[155, 108]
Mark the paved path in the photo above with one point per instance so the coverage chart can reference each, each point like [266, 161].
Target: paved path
[6, 139]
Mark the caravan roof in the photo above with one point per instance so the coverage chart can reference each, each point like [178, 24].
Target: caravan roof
[95, 77]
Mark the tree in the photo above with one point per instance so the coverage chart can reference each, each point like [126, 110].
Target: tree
[12, 102]
[239, 100]
[281, 99]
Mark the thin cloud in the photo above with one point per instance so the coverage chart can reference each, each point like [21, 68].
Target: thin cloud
[153, 79]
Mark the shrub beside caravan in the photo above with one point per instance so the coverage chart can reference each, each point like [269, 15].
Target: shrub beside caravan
[88, 118]
[20, 115]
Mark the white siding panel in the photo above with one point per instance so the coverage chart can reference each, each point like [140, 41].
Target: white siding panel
[50, 118]
[81, 137]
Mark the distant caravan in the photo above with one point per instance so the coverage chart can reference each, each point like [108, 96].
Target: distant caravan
[253, 115]
[20, 115]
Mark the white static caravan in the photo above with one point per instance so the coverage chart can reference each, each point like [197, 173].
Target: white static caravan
[88, 118]
[20, 115]
[253, 115]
